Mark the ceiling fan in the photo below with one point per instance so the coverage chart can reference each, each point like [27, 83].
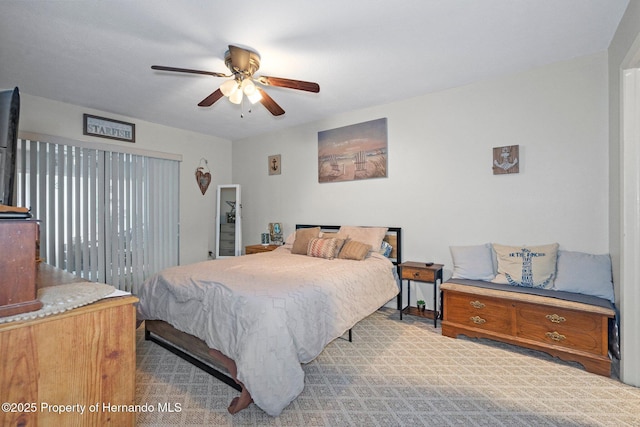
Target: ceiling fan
[243, 63]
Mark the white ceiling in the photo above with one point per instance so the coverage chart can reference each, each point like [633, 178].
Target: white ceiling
[98, 53]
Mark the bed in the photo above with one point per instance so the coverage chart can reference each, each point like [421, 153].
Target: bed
[253, 320]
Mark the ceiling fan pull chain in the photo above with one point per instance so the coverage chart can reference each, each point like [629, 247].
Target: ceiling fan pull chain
[242, 108]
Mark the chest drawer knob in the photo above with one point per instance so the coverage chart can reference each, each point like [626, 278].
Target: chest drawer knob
[477, 304]
[554, 318]
[555, 336]
[477, 320]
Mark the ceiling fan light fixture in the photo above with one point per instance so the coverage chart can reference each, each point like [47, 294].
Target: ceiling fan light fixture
[236, 97]
[254, 97]
[229, 87]
[248, 87]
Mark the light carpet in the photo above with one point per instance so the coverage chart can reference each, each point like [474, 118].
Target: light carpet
[398, 373]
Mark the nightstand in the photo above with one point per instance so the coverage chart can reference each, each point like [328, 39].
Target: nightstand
[420, 272]
[256, 249]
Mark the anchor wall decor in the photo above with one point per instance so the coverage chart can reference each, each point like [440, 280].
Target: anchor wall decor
[505, 159]
[274, 165]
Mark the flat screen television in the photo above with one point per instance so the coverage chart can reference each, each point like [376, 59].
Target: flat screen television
[9, 118]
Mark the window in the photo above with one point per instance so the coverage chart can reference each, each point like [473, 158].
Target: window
[106, 216]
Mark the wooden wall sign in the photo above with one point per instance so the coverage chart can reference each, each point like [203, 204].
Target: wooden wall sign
[506, 159]
[275, 165]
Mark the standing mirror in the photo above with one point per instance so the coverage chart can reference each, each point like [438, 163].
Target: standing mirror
[228, 221]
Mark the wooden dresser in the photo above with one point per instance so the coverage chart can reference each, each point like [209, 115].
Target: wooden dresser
[82, 357]
[569, 330]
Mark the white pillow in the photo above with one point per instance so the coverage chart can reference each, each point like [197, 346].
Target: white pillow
[528, 266]
[585, 274]
[472, 262]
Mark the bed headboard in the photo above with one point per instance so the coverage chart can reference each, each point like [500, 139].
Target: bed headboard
[393, 237]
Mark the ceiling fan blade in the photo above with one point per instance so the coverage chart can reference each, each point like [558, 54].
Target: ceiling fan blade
[288, 83]
[211, 99]
[270, 104]
[239, 58]
[187, 70]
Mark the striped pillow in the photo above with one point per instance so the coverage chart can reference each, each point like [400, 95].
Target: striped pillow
[324, 248]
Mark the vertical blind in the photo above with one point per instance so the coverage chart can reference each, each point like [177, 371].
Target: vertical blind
[105, 216]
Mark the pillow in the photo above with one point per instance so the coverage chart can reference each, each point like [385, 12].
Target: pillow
[355, 250]
[324, 248]
[528, 266]
[328, 234]
[585, 274]
[472, 262]
[371, 236]
[303, 235]
[290, 239]
[385, 249]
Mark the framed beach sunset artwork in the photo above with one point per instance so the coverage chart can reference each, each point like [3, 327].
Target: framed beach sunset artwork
[353, 152]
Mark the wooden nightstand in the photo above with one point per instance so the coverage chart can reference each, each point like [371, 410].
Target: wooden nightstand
[420, 272]
[256, 249]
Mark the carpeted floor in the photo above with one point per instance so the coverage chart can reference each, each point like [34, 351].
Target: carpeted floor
[398, 373]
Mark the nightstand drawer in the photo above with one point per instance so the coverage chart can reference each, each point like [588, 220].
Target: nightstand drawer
[413, 273]
[256, 249]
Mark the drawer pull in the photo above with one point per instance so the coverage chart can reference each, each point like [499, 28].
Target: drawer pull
[477, 320]
[477, 304]
[554, 318]
[555, 336]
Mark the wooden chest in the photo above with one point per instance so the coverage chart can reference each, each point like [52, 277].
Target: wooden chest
[568, 330]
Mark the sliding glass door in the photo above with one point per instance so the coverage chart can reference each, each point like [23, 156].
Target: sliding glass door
[106, 216]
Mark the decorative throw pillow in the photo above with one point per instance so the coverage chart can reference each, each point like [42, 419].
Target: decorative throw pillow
[472, 262]
[371, 236]
[386, 249]
[303, 235]
[355, 250]
[585, 274]
[324, 248]
[528, 266]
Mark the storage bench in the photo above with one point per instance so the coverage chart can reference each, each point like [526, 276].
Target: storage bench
[572, 327]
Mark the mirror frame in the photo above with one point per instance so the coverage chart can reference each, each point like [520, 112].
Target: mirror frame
[238, 219]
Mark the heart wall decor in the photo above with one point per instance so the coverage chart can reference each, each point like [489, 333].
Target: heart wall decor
[203, 178]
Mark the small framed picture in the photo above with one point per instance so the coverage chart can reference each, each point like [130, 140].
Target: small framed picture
[506, 159]
[274, 165]
[275, 231]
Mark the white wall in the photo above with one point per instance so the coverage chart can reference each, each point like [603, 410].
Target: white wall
[440, 187]
[197, 212]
